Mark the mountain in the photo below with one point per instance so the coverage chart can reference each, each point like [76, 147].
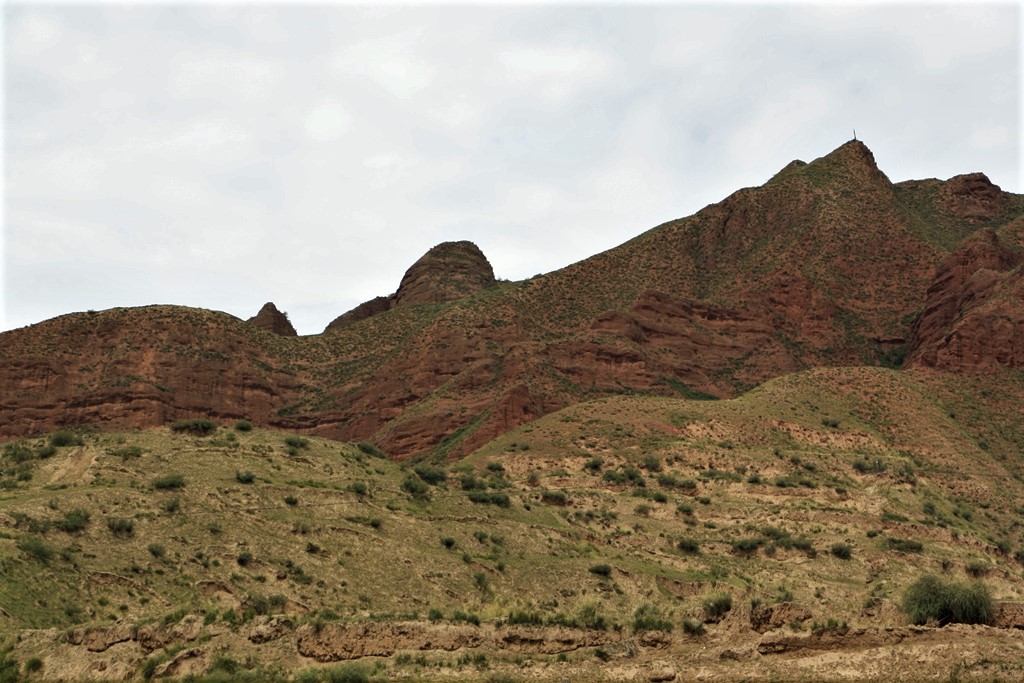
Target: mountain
[826, 264]
[273, 320]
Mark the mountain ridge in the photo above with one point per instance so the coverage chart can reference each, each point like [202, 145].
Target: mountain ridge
[827, 263]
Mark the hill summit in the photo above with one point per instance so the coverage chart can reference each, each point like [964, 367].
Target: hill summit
[448, 271]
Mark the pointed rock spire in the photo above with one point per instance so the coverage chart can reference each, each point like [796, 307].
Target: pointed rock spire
[271, 319]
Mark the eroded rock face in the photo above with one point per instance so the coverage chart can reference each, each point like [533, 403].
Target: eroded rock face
[974, 312]
[973, 197]
[271, 319]
[451, 270]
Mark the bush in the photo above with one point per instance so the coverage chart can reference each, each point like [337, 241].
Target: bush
[169, 482]
[490, 498]
[415, 486]
[120, 526]
[246, 477]
[523, 618]
[358, 488]
[73, 521]
[554, 498]
[200, 426]
[243, 426]
[842, 550]
[33, 665]
[156, 550]
[47, 451]
[593, 465]
[746, 546]
[904, 545]
[693, 627]
[291, 501]
[431, 475]
[370, 449]
[64, 438]
[127, 452]
[717, 606]
[604, 570]
[932, 599]
[688, 546]
[648, 618]
[36, 549]
[296, 442]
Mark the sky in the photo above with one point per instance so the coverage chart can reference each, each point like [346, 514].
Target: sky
[222, 156]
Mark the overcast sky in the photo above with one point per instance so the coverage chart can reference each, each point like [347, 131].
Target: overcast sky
[222, 156]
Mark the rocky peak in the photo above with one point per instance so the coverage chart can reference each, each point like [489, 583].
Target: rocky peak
[972, 197]
[451, 270]
[271, 319]
[853, 158]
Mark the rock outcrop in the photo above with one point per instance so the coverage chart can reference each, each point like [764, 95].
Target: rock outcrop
[449, 271]
[974, 311]
[271, 319]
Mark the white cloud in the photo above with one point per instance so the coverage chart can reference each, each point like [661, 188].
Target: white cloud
[327, 122]
[989, 136]
[392, 62]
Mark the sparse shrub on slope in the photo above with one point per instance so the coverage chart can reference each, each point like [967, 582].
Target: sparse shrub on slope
[199, 426]
[930, 598]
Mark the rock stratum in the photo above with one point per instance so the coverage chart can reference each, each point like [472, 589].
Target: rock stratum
[828, 263]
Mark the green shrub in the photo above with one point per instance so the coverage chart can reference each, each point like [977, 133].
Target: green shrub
[431, 475]
[243, 426]
[127, 452]
[524, 618]
[875, 466]
[554, 498]
[296, 442]
[590, 617]
[156, 550]
[604, 570]
[73, 521]
[693, 627]
[652, 463]
[291, 501]
[33, 665]
[47, 451]
[688, 546]
[904, 545]
[648, 618]
[842, 550]
[717, 606]
[448, 542]
[246, 477]
[370, 449]
[414, 486]
[358, 488]
[120, 526]
[490, 498]
[169, 482]
[930, 598]
[64, 438]
[36, 549]
[746, 546]
[593, 465]
[199, 426]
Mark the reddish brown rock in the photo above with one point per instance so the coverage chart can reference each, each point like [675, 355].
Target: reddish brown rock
[449, 271]
[273, 320]
[974, 312]
[973, 197]
[363, 311]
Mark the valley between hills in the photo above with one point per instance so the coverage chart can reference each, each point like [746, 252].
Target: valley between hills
[729, 449]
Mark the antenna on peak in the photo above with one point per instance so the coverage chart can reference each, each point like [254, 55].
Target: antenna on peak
[854, 133]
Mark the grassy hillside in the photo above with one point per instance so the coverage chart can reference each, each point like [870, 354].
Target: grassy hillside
[609, 539]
